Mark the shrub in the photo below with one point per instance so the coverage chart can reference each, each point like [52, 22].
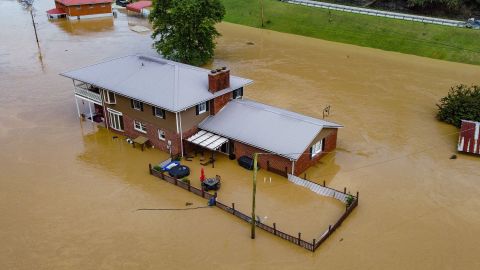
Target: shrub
[461, 103]
[349, 200]
[157, 168]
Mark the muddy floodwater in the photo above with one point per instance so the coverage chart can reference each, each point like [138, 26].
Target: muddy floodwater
[68, 191]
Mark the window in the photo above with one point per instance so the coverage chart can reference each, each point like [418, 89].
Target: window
[318, 147]
[137, 105]
[115, 119]
[91, 6]
[160, 113]
[161, 135]
[238, 93]
[109, 97]
[79, 7]
[139, 126]
[202, 107]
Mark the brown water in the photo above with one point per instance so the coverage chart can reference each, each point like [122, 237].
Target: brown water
[68, 192]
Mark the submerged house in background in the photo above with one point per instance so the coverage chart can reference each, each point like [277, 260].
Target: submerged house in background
[80, 9]
[180, 108]
[469, 138]
[140, 7]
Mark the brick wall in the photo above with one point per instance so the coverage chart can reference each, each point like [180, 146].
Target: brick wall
[152, 135]
[305, 161]
[217, 104]
[276, 162]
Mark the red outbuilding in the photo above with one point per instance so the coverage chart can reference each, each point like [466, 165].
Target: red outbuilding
[468, 141]
[79, 9]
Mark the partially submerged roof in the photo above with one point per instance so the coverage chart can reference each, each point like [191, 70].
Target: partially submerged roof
[56, 11]
[265, 127]
[469, 137]
[138, 6]
[82, 2]
[166, 84]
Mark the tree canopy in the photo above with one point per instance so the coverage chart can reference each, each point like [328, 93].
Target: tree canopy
[184, 30]
[461, 103]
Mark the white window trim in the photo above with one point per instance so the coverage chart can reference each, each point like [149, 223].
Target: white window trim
[141, 125]
[159, 131]
[204, 110]
[106, 97]
[139, 105]
[317, 148]
[162, 115]
[116, 114]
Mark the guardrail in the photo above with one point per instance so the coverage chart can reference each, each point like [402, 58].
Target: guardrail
[88, 94]
[379, 13]
[312, 246]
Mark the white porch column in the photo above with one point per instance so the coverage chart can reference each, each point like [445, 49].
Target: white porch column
[76, 103]
[90, 109]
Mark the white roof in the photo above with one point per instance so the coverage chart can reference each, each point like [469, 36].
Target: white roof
[166, 84]
[265, 127]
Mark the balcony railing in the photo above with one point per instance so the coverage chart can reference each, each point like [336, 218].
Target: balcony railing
[81, 91]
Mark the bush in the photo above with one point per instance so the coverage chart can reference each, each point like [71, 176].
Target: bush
[349, 200]
[157, 168]
[461, 103]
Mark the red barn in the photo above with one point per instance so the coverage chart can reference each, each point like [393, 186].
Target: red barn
[79, 9]
[468, 141]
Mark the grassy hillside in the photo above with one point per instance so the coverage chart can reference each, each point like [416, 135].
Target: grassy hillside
[434, 41]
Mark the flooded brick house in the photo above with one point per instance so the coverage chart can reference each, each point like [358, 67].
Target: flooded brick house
[179, 108]
[80, 9]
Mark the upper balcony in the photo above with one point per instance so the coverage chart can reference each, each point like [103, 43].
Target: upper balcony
[88, 92]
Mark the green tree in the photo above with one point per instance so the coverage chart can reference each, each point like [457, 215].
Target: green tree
[461, 103]
[184, 30]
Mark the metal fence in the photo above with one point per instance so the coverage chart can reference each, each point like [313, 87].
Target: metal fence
[310, 245]
[379, 13]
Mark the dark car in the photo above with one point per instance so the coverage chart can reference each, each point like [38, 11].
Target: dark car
[122, 3]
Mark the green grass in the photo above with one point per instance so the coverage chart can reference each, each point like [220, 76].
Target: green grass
[434, 41]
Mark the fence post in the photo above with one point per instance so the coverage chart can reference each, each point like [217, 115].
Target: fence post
[233, 207]
[274, 228]
[344, 190]
[329, 228]
[176, 183]
[215, 195]
[323, 183]
[305, 176]
[299, 238]
[163, 176]
[188, 185]
[149, 168]
[203, 193]
[313, 243]
[357, 195]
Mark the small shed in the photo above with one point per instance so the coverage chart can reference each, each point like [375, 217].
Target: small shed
[468, 140]
[141, 7]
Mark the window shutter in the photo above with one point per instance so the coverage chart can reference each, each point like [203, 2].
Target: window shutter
[311, 152]
[241, 91]
[141, 106]
[163, 113]
[323, 144]
[207, 107]
[196, 110]
[131, 103]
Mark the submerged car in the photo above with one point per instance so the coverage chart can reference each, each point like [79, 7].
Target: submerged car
[122, 3]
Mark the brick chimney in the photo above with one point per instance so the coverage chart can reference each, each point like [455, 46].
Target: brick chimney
[218, 79]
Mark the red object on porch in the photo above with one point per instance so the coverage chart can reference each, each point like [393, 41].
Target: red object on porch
[138, 6]
[56, 11]
[202, 175]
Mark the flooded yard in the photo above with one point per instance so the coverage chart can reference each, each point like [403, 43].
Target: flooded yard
[68, 191]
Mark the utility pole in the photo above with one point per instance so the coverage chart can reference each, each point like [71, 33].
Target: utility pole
[34, 25]
[261, 12]
[255, 168]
